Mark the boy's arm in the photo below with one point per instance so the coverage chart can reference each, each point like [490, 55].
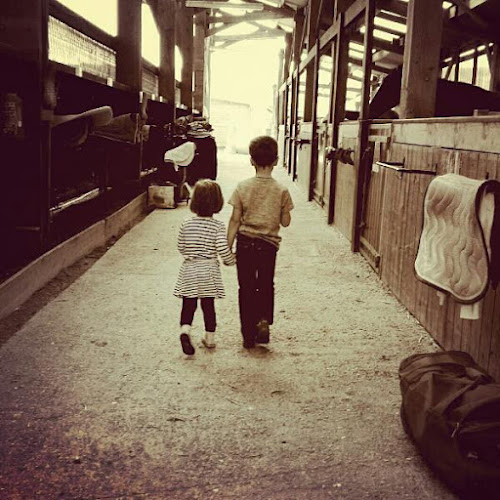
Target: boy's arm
[286, 206]
[286, 218]
[234, 224]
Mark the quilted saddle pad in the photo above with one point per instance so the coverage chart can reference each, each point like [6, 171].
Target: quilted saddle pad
[459, 243]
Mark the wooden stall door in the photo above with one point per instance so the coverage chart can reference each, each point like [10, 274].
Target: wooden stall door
[319, 180]
[345, 181]
[303, 165]
[374, 194]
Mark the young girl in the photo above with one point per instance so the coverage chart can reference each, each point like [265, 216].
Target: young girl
[201, 239]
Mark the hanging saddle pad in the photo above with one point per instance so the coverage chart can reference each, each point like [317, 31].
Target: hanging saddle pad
[458, 246]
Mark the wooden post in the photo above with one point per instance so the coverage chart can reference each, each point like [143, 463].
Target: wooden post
[129, 56]
[340, 58]
[341, 6]
[421, 58]
[494, 60]
[314, 118]
[311, 40]
[361, 154]
[286, 61]
[166, 82]
[185, 43]
[199, 60]
[474, 67]
[297, 48]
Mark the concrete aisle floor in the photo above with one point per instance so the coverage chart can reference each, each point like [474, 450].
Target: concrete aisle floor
[98, 402]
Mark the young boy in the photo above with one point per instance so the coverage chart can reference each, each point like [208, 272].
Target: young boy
[260, 205]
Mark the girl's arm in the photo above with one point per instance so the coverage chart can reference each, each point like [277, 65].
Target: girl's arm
[223, 248]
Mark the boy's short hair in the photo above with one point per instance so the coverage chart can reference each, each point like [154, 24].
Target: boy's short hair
[263, 150]
[207, 198]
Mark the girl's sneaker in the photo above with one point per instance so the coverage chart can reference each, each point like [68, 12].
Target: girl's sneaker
[208, 340]
[187, 347]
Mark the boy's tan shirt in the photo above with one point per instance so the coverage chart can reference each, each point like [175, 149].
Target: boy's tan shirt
[262, 201]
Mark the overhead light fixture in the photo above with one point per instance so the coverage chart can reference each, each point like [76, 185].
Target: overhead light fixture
[223, 5]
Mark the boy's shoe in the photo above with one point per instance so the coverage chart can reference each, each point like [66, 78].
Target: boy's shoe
[248, 339]
[262, 336]
[248, 343]
[187, 347]
[208, 340]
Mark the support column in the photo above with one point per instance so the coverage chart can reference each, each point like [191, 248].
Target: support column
[341, 6]
[494, 60]
[312, 17]
[340, 70]
[129, 56]
[421, 67]
[166, 16]
[287, 61]
[200, 30]
[362, 156]
[185, 43]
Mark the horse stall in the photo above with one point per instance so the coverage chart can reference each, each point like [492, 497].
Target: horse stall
[404, 156]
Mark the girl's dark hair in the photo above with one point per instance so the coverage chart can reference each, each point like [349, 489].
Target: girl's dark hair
[207, 198]
[263, 150]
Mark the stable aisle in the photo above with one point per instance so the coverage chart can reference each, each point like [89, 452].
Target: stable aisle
[98, 401]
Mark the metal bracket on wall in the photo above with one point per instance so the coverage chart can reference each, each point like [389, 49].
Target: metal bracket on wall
[340, 154]
[301, 142]
[399, 167]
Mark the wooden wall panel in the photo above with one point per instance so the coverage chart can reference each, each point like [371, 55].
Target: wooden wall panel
[400, 212]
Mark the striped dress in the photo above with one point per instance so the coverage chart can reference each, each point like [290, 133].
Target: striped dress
[201, 240]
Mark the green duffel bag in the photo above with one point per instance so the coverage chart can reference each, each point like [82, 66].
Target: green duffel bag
[451, 409]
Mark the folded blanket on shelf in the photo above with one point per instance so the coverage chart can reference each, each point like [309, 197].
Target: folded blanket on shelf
[459, 244]
[73, 130]
[126, 128]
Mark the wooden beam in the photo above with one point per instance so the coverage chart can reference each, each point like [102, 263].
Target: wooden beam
[249, 16]
[463, 5]
[67, 16]
[202, 4]
[361, 157]
[474, 66]
[340, 71]
[199, 60]
[375, 67]
[421, 67]
[494, 62]
[340, 6]
[392, 17]
[312, 17]
[329, 34]
[286, 58]
[354, 12]
[129, 53]
[313, 163]
[185, 43]
[379, 44]
[395, 6]
[167, 20]
[251, 36]
[298, 36]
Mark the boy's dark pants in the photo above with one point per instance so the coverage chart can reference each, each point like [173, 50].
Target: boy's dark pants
[255, 263]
